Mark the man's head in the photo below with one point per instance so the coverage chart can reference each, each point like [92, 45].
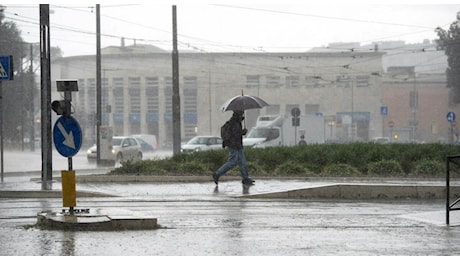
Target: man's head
[238, 114]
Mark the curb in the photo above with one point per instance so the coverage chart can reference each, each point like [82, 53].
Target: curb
[366, 192]
[58, 221]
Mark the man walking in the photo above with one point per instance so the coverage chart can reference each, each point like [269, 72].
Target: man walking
[235, 149]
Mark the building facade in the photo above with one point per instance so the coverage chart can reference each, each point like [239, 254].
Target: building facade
[347, 89]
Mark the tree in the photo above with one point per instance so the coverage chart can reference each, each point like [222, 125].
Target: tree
[10, 41]
[17, 94]
[449, 41]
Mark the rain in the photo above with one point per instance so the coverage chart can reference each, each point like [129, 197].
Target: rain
[163, 75]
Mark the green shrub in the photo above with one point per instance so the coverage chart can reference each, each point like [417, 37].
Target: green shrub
[193, 167]
[367, 158]
[268, 158]
[290, 168]
[340, 169]
[385, 168]
[430, 168]
[254, 169]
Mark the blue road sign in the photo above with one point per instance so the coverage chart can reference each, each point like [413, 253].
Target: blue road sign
[6, 67]
[383, 110]
[450, 117]
[67, 136]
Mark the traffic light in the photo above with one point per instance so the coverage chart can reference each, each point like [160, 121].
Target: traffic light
[61, 107]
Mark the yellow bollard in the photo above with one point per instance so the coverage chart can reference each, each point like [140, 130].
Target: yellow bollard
[69, 194]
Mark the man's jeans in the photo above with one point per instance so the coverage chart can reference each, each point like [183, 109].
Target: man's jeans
[235, 156]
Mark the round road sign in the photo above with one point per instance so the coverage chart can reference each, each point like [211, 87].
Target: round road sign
[295, 112]
[450, 117]
[67, 136]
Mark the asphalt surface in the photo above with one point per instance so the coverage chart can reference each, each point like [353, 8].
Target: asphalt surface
[196, 218]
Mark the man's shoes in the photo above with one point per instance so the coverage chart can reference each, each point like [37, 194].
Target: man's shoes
[215, 178]
[248, 181]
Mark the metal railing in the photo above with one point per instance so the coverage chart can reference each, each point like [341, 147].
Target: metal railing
[455, 159]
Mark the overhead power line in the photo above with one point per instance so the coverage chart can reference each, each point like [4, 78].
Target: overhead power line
[325, 17]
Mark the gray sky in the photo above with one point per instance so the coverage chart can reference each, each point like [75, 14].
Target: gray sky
[236, 26]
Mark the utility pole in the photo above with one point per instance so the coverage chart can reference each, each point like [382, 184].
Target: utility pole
[1, 132]
[47, 169]
[176, 96]
[98, 83]
[31, 104]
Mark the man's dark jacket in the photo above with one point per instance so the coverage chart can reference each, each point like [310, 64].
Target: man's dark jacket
[236, 139]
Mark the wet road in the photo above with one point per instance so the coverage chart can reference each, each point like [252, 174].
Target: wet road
[198, 219]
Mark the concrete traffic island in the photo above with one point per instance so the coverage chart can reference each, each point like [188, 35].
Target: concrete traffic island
[88, 222]
[81, 219]
[366, 192]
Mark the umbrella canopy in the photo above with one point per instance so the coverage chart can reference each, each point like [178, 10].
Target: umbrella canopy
[243, 102]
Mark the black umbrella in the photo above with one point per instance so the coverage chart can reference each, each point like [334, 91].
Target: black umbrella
[243, 102]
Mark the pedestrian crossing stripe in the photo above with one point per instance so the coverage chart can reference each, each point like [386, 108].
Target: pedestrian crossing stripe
[3, 73]
[6, 66]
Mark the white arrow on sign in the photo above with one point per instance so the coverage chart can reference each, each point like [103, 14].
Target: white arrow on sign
[68, 137]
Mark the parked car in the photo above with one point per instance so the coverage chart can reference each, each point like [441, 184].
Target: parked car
[124, 148]
[202, 143]
[146, 147]
[149, 139]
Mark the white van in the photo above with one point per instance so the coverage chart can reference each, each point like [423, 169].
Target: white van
[149, 139]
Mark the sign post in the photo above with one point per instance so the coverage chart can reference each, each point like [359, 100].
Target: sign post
[6, 73]
[383, 113]
[67, 139]
[451, 119]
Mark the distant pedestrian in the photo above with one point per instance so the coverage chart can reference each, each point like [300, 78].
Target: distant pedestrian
[234, 142]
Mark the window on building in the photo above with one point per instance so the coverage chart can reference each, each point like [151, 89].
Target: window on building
[190, 94]
[362, 81]
[311, 108]
[118, 95]
[153, 108]
[81, 95]
[252, 81]
[273, 81]
[134, 90]
[151, 92]
[292, 82]
[190, 106]
[91, 95]
[311, 82]
[343, 81]
[104, 96]
[168, 95]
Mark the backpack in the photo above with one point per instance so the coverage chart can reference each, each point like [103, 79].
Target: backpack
[225, 132]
